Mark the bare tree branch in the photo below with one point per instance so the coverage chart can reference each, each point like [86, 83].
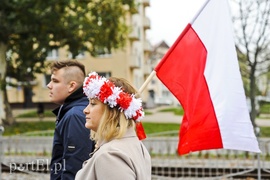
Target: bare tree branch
[252, 29]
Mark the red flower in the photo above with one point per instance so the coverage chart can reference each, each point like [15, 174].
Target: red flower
[87, 81]
[124, 100]
[105, 91]
[93, 76]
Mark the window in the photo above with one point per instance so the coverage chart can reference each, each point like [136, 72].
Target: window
[81, 55]
[103, 52]
[8, 81]
[53, 54]
[105, 74]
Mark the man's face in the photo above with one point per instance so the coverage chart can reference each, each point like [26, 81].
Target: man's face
[58, 86]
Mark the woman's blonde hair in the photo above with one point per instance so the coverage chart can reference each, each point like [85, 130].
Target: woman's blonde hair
[113, 123]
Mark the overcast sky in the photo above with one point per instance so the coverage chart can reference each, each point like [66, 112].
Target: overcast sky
[169, 17]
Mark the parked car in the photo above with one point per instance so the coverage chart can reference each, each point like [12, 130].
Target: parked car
[163, 101]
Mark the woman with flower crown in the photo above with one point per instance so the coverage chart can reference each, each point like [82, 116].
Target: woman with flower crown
[113, 115]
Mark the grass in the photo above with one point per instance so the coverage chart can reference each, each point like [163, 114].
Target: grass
[265, 132]
[175, 110]
[33, 114]
[48, 113]
[47, 127]
[153, 128]
[265, 108]
[24, 127]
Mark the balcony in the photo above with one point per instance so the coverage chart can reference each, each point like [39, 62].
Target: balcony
[146, 23]
[134, 62]
[134, 35]
[147, 46]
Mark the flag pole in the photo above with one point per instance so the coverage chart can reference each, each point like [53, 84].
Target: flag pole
[199, 12]
[153, 73]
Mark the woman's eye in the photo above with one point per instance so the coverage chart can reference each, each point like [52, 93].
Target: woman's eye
[92, 103]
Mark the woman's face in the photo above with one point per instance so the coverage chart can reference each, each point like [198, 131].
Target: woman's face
[93, 113]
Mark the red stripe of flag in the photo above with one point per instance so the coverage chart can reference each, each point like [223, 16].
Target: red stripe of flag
[185, 79]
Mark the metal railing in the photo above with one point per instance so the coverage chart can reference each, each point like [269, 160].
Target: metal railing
[210, 164]
[166, 163]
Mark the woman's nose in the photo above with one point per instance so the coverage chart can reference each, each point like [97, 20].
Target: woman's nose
[86, 111]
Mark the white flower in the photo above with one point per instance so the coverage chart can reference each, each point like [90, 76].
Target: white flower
[94, 82]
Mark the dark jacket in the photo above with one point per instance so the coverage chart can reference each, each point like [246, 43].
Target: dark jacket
[71, 143]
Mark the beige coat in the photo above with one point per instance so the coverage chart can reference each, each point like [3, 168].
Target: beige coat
[121, 159]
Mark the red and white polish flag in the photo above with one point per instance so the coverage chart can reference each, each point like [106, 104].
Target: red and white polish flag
[202, 71]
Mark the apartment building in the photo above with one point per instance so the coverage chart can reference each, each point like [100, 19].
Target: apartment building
[131, 62]
[158, 92]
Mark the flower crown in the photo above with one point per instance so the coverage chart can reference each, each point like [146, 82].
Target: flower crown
[99, 87]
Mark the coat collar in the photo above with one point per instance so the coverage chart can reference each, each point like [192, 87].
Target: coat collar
[129, 133]
[61, 110]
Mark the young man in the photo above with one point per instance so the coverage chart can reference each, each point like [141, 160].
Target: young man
[71, 143]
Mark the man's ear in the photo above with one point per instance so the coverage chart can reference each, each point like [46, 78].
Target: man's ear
[72, 86]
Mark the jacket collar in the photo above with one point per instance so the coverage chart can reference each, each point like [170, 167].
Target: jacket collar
[75, 95]
[59, 111]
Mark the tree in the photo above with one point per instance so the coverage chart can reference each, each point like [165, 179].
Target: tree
[252, 25]
[30, 29]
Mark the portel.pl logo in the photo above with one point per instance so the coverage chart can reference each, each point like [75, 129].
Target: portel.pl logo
[39, 165]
